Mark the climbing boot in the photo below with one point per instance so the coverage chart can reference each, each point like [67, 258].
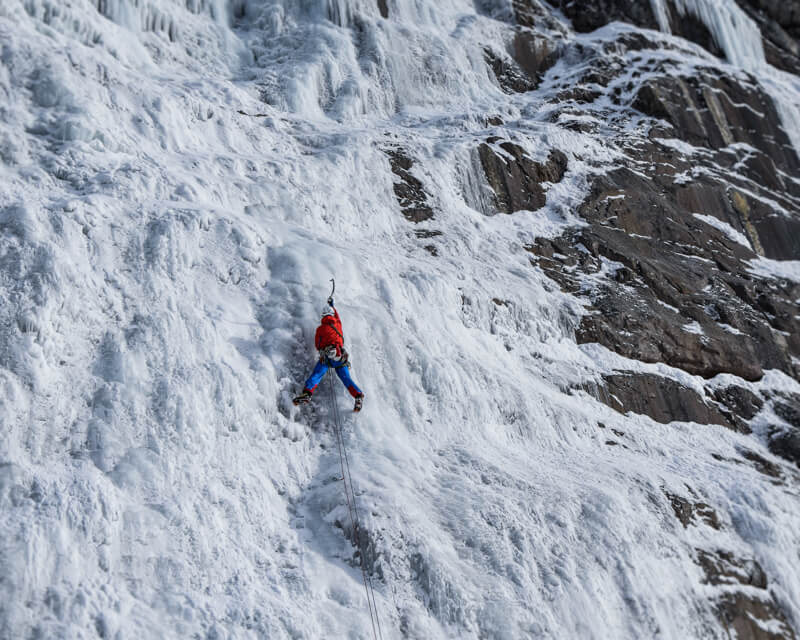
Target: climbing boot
[359, 403]
[303, 398]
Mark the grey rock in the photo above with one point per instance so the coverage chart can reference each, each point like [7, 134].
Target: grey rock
[713, 110]
[788, 408]
[522, 67]
[410, 193]
[786, 444]
[692, 512]
[588, 16]
[673, 271]
[744, 614]
[723, 567]
[509, 75]
[784, 440]
[738, 405]
[752, 618]
[516, 179]
[534, 54]
[761, 464]
[662, 399]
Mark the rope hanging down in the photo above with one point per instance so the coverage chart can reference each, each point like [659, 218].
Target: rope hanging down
[353, 510]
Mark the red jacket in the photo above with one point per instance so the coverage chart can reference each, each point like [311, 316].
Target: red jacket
[329, 332]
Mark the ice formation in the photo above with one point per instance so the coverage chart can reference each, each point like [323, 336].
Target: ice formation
[179, 180]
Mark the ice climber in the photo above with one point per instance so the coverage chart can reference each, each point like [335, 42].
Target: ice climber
[330, 344]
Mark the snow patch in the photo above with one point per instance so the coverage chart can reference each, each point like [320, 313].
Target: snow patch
[730, 329]
[694, 327]
[780, 269]
[727, 229]
[681, 146]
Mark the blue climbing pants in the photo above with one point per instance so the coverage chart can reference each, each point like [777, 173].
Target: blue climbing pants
[341, 370]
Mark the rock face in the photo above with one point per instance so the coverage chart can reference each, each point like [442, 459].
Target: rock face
[680, 282]
[738, 404]
[778, 21]
[687, 282]
[692, 512]
[383, 8]
[588, 16]
[712, 110]
[534, 54]
[753, 618]
[659, 286]
[784, 439]
[516, 179]
[520, 67]
[408, 189]
[752, 614]
[665, 259]
[662, 399]
[510, 76]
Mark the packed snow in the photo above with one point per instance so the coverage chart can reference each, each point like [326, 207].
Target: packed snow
[179, 182]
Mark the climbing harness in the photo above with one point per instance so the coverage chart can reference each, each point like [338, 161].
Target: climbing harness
[355, 524]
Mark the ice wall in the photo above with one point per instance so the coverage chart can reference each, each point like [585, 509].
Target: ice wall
[343, 60]
[662, 17]
[163, 258]
[137, 32]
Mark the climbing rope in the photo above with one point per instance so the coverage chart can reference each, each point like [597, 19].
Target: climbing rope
[352, 508]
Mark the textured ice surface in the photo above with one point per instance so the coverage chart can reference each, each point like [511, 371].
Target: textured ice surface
[162, 261]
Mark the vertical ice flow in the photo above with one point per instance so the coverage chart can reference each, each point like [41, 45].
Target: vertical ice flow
[660, 12]
[345, 78]
[733, 30]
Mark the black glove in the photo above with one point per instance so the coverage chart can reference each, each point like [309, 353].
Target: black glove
[330, 301]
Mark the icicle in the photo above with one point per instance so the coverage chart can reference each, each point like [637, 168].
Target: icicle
[783, 88]
[120, 12]
[660, 12]
[732, 29]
